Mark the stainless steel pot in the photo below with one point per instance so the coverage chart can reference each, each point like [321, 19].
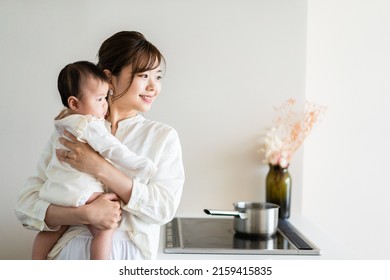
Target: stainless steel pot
[253, 218]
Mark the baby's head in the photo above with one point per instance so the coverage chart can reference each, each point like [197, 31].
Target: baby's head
[83, 88]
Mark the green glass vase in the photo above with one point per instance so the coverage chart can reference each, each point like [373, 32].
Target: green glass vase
[278, 189]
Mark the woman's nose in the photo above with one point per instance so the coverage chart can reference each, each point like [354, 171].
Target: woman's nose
[151, 85]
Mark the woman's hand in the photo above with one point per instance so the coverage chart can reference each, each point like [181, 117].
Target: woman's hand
[83, 158]
[104, 212]
[79, 155]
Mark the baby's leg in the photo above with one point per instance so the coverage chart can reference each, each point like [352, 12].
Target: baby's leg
[101, 239]
[101, 244]
[44, 242]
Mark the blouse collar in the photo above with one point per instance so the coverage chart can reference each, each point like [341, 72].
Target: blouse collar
[127, 121]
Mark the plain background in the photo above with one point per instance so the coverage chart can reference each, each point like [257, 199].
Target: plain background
[228, 64]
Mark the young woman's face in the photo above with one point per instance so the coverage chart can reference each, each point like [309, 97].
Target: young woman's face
[93, 100]
[143, 91]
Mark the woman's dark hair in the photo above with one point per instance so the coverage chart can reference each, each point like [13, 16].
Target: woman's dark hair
[128, 48]
[73, 75]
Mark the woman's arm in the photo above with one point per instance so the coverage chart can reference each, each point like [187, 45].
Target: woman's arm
[154, 202]
[30, 209]
[85, 159]
[37, 214]
[157, 201]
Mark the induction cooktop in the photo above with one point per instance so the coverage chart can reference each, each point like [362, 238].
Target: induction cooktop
[217, 236]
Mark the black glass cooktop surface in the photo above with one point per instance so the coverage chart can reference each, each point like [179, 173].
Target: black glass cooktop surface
[217, 236]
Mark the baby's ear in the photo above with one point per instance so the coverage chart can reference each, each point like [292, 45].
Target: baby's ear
[73, 103]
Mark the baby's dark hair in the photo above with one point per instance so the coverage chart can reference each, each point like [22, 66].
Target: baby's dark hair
[73, 75]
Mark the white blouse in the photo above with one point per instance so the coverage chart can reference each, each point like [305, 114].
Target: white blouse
[153, 202]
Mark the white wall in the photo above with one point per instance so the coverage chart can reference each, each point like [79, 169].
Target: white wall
[229, 63]
[346, 161]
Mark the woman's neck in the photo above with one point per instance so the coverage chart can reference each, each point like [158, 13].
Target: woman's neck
[116, 116]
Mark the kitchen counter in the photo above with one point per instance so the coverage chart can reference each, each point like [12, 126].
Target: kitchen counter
[330, 248]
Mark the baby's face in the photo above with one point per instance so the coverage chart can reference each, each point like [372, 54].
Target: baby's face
[93, 100]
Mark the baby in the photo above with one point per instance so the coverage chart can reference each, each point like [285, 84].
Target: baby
[84, 88]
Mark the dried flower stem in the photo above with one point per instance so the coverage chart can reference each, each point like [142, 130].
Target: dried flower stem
[290, 129]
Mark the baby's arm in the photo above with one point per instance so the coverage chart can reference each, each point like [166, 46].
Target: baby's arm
[97, 136]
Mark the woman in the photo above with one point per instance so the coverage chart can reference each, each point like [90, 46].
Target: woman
[133, 67]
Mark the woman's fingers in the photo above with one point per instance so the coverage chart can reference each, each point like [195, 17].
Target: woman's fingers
[70, 143]
[111, 196]
[70, 140]
[74, 147]
[62, 154]
[105, 212]
[70, 136]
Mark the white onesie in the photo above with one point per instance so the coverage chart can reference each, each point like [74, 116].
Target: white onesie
[66, 186]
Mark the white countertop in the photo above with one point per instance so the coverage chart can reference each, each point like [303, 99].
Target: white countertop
[330, 248]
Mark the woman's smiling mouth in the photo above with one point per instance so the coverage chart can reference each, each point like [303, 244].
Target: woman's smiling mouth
[147, 98]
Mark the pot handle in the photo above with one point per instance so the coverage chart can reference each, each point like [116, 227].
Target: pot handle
[237, 214]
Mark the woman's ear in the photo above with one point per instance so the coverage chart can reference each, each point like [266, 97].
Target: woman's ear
[73, 103]
[108, 74]
[111, 87]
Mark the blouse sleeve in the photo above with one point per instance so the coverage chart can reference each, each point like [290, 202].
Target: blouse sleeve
[157, 201]
[30, 209]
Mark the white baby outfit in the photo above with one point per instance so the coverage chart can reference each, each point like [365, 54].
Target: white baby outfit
[67, 186]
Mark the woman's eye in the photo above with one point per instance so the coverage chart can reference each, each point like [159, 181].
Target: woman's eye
[159, 77]
[100, 99]
[143, 75]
